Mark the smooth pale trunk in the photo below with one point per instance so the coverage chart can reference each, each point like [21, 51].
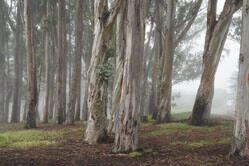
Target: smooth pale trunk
[165, 105]
[240, 145]
[126, 134]
[120, 45]
[153, 97]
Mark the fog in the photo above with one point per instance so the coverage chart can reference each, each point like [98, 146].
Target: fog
[224, 96]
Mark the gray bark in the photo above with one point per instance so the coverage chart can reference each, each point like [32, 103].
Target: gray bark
[62, 64]
[126, 134]
[15, 117]
[240, 145]
[104, 20]
[165, 105]
[120, 51]
[47, 68]
[31, 67]
[75, 87]
[215, 39]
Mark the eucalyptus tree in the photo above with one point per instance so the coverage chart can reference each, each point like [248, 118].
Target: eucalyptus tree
[175, 32]
[3, 23]
[17, 29]
[99, 70]
[240, 145]
[62, 63]
[216, 34]
[47, 63]
[75, 86]
[31, 66]
[126, 134]
[88, 35]
[120, 52]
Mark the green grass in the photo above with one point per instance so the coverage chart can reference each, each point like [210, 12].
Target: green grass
[170, 128]
[29, 138]
[176, 126]
[135, 154]
[180, 116]
[203, 143]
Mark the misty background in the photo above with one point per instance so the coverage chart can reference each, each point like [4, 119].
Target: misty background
[225, 79]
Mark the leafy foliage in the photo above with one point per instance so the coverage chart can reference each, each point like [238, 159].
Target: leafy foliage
[105, 71]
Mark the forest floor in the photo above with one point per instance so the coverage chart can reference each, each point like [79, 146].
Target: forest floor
[175, 143]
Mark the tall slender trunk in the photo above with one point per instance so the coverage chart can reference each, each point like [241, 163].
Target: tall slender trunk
[75, 87]
[120, 51]
[31, 66]
[153, 97]
[47, 68]
[9, 92]
[2, 61]
[215, 39]
[15, 117]
[240, 145]
[62, 64]
[104, 20]
[147, 58]
[126, 134]
[165, 105]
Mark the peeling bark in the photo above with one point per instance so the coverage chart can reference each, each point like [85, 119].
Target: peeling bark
[96, 130]
[240, 145]
[121, 45]
[126, 134]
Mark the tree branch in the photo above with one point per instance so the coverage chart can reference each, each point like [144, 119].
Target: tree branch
[194, 13]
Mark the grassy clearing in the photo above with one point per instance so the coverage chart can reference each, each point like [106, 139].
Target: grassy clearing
[203, 143]
[176, 126]
[170, 128]
[29, 138]
[181, 116]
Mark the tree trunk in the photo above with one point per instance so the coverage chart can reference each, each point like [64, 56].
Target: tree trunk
[47, 68]
[31, 67]
[215, 39]
[75, 87]
[120, 51]
[15, 117]
[98, 77]
[2, 61]
[165, 105]
[240, 145]
[145, 74]
[62, 64]
[153, 97]
[126, 134]
[9, 92]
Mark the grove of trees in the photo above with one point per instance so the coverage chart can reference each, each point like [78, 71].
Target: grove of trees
[113, 63]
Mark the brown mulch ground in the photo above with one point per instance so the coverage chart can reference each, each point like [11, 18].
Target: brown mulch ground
[72, 151]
